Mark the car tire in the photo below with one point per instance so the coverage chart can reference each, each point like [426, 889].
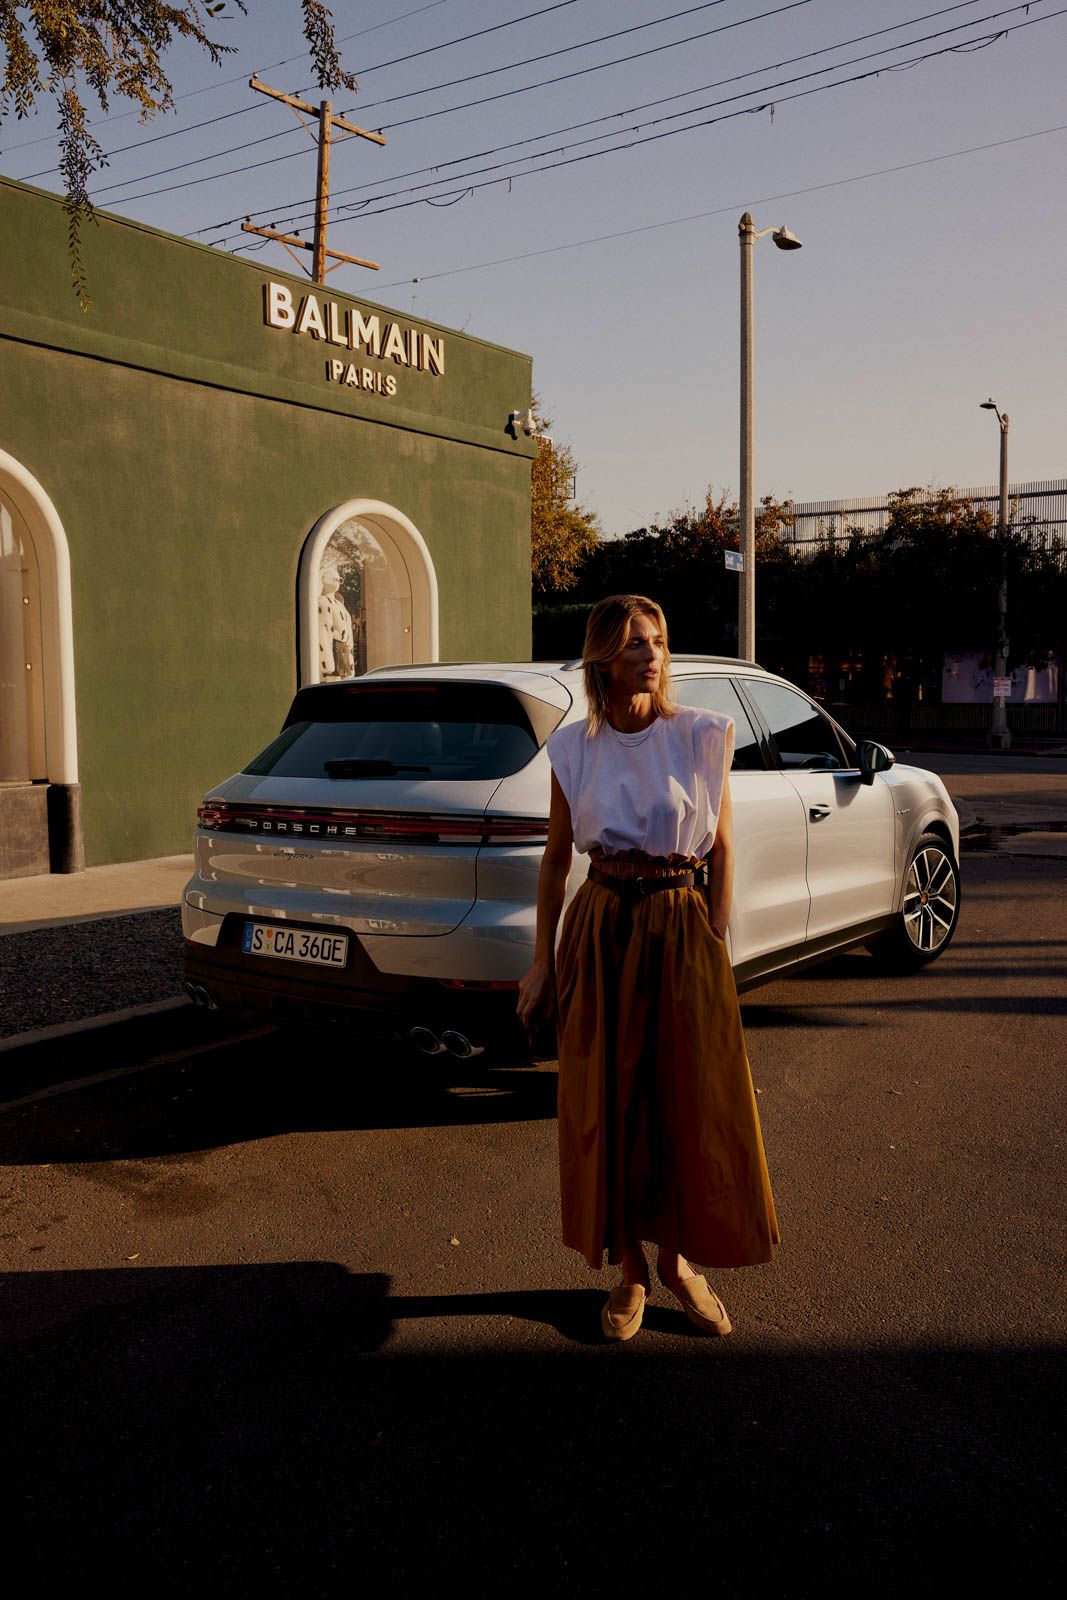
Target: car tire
[923, 927]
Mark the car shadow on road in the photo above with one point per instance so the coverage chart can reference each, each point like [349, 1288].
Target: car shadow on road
[758, 1014]
[294, 1427]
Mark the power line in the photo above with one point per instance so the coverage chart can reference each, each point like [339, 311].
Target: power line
[242, 77]
[581, 72]
[466, 105]
[143, 177]
[173, 133]
[627, 111]
[668, 133]
[505, 94]
[489, 72]
[466, 187]
[253, 166]
[465, 38]
[700, 216]
[548, 55]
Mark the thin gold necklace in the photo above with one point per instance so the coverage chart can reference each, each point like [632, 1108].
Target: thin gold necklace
[633, 738]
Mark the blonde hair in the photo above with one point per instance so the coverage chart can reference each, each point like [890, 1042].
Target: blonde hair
[606, 632]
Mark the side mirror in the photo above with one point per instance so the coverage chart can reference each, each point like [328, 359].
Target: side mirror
[872, 758]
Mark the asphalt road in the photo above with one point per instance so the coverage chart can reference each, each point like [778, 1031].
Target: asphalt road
[291, 1311]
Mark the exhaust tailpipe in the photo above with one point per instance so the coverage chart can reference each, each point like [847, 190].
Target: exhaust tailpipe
[426, 1040]
[458, 1044]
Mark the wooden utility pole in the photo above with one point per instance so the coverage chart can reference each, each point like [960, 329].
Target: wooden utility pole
[323, 138]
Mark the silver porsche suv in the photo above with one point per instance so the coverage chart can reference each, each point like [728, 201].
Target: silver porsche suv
[378, 861]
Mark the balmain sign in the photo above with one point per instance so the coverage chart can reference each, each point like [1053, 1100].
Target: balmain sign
[365, 338]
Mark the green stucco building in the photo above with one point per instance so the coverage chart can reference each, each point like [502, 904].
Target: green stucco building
[219, 483]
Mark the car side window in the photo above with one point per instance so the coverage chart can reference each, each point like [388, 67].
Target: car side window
[803, 737]
[719, 694]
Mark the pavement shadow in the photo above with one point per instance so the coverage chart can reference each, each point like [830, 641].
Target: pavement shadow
[757, 1014]
[252, 1089]
[267, 1426]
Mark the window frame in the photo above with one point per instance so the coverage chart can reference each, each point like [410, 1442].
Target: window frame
[846, 744]
[757, 724]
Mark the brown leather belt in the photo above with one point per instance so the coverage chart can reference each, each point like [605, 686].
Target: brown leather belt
[630, 889]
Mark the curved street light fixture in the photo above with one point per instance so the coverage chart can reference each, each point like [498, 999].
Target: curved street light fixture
[746, 610]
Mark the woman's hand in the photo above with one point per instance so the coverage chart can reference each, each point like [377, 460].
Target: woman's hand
[537, 991]
[537, 995]
[720, 880]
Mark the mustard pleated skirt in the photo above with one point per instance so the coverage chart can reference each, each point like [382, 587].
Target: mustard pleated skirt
[659, 1137]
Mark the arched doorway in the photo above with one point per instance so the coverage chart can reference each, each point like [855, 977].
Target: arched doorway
[40, 817]
[367, 593]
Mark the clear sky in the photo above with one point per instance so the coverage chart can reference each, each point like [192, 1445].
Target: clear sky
[917, 293]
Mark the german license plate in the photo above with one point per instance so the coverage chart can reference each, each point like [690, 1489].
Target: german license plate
[295, 944]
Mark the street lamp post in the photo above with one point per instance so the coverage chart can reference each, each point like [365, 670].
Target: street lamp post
[999, 735]
[746, 609]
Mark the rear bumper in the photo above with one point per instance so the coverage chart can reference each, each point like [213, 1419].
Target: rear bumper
[384, 1002]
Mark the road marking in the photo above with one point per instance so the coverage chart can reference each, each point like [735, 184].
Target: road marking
[54, 1090]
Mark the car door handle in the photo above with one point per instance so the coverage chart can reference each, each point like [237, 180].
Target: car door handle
[817, 813]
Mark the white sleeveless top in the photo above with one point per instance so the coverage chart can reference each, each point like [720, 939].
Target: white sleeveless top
[659, 790]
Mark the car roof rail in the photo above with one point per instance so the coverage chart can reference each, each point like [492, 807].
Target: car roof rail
[724, 661]
[719, 661]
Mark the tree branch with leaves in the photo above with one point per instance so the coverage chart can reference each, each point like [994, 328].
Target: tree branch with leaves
[73, 50]
[562, 534]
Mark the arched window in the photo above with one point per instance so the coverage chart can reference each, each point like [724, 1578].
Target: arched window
[22, 744]
[367, 593]
[38, 729]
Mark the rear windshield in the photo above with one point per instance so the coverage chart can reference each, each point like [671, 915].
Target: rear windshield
[408, 731]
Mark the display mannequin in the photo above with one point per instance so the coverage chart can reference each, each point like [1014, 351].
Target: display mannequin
[336, 659]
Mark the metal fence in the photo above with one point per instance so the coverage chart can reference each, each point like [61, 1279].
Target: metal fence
[1038, 510]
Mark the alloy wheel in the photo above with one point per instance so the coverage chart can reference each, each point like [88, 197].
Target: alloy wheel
[930, 897]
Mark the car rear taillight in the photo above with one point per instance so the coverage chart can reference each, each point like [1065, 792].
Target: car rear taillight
[514, 830]
[220, 816]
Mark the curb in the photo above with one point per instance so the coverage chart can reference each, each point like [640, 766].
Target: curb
[12, 926]
[39, 1064]
[1054, 753]
[106, 1019]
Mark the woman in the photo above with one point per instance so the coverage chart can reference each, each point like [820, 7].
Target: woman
[659, 1138]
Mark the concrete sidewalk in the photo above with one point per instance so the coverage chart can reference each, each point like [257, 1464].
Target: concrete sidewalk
[56, 899]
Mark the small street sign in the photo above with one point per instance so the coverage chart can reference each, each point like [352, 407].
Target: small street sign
[1001, 686]
[735, 561]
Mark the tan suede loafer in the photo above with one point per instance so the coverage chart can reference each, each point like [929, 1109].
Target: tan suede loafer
[621, 1315]
[701, 1305]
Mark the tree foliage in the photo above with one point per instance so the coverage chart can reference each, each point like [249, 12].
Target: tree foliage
[102, 48]
[562, 534]
[679, 562]
[861, 618]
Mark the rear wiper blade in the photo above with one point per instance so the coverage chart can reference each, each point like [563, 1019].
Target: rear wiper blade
[355, 767]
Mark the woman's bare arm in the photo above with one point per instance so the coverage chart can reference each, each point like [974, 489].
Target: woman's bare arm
[721, 866]
[537, 989]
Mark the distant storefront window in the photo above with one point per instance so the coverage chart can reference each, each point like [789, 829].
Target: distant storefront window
[967, 679]
[364, 604]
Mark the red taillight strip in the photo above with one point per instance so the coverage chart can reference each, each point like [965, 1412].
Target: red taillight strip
[499, 830]
[224, 816]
